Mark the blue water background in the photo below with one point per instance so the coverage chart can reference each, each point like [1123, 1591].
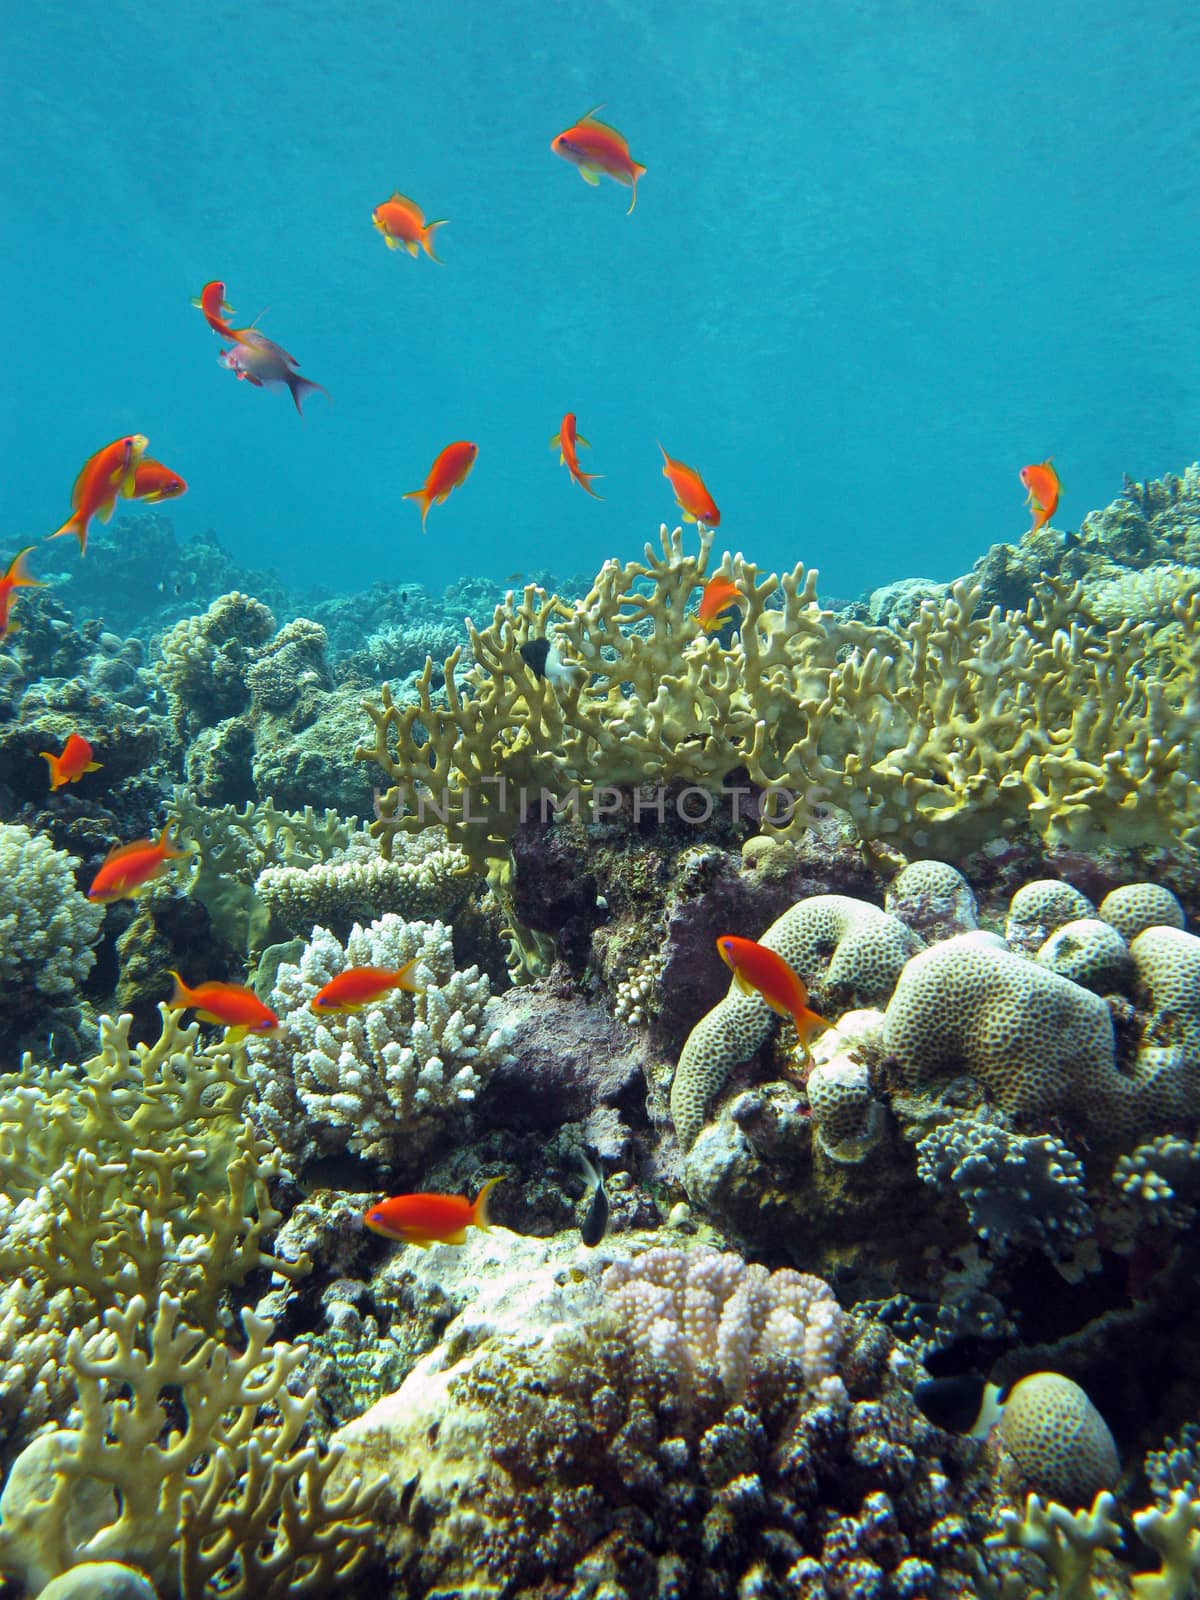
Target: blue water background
[884, 255]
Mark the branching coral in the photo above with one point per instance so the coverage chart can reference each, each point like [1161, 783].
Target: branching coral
[976, 725]
[135, 1173]
[384, 1082]
[229, 1502]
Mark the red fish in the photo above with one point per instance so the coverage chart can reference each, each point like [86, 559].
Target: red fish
[211, 301]
[259, 360]
[1043, 485]
[692, 498]
[757, 970]
[70, 766]
[101, 479]
[718, 596]
[153, 482]
[566, 441]
[358, 986]
[129, 867]
[235, 1007]
[17, 577]
[425, 1219]
[596, 148]
[446, 473]
[402, 224]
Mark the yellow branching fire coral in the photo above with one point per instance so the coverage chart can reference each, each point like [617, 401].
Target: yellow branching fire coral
[1041, 718]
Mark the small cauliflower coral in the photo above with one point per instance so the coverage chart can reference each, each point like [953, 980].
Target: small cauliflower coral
[47, 926]
[381, 1082]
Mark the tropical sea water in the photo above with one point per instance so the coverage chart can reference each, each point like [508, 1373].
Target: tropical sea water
[885, 254]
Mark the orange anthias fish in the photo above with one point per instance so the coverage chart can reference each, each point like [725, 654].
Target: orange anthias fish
[425, 1219]
[211, 301]
[153, 482]
[1044, 488]
[718, 596]
[101, 479]
[129, 867]
[596, 148]
[402, 224]
[566, 441]
[17, 577]
[70, 766]
[259, 360]
[358, 986]
[757, 970]
[692, 498]
[235, 1007]
[446, 473]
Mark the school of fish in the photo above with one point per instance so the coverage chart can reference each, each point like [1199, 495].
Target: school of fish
[123, 470]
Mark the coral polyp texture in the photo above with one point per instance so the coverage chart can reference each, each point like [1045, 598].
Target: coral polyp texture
[385, 1082]
[957, 727]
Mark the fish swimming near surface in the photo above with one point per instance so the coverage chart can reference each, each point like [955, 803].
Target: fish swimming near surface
[567, 441]
[17, 577]
[357, 987]
[127, 868]
[718, 597]
[598, 150]
[425, 1219]
[104, 476]
[74, 760]
[260, 361]
[403, 226]
[153, 482]
[211, 301]
[1044, 488]
[447, 472]
[237, 1008]
[595, 1224]
[692, 498]
[757, 970]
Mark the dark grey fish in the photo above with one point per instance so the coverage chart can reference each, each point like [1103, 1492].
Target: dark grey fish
[534, 653]
[595, 1225]
[963, 1403]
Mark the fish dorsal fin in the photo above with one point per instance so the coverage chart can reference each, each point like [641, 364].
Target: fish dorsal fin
[402, 199]
[590, 116]
[135, 847]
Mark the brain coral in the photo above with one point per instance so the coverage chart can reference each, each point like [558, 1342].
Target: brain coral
[847, 951]
[1136, 906]
[384, 1081]
[47, 926]
[1059, 1442]
[1089, 952]
[933, 898]
[1038, 908]
[1168, 969]
[1038, 1043]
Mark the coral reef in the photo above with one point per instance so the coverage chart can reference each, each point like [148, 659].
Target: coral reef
[385, 1083]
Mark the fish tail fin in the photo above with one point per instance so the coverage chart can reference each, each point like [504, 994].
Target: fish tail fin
[301, 386]
[56, 778]
[93, 766]
[76, 523]
[18, 571]
[404, 981]
[170, 851]
[586, 479]
[639, 171]
[423, 499]
[427, 239]
[479, 1211]
[181, 994]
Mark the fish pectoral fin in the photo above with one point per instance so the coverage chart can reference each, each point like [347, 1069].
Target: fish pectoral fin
[590, 175]
[689, 516]
[743, 985]
[411, 246]
[580, 440]
[456, 1238]
[105, 512]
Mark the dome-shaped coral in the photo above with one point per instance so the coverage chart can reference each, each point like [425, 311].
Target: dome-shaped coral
[1058, 1443]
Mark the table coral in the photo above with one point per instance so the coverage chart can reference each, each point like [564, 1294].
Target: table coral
[384, 1082]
